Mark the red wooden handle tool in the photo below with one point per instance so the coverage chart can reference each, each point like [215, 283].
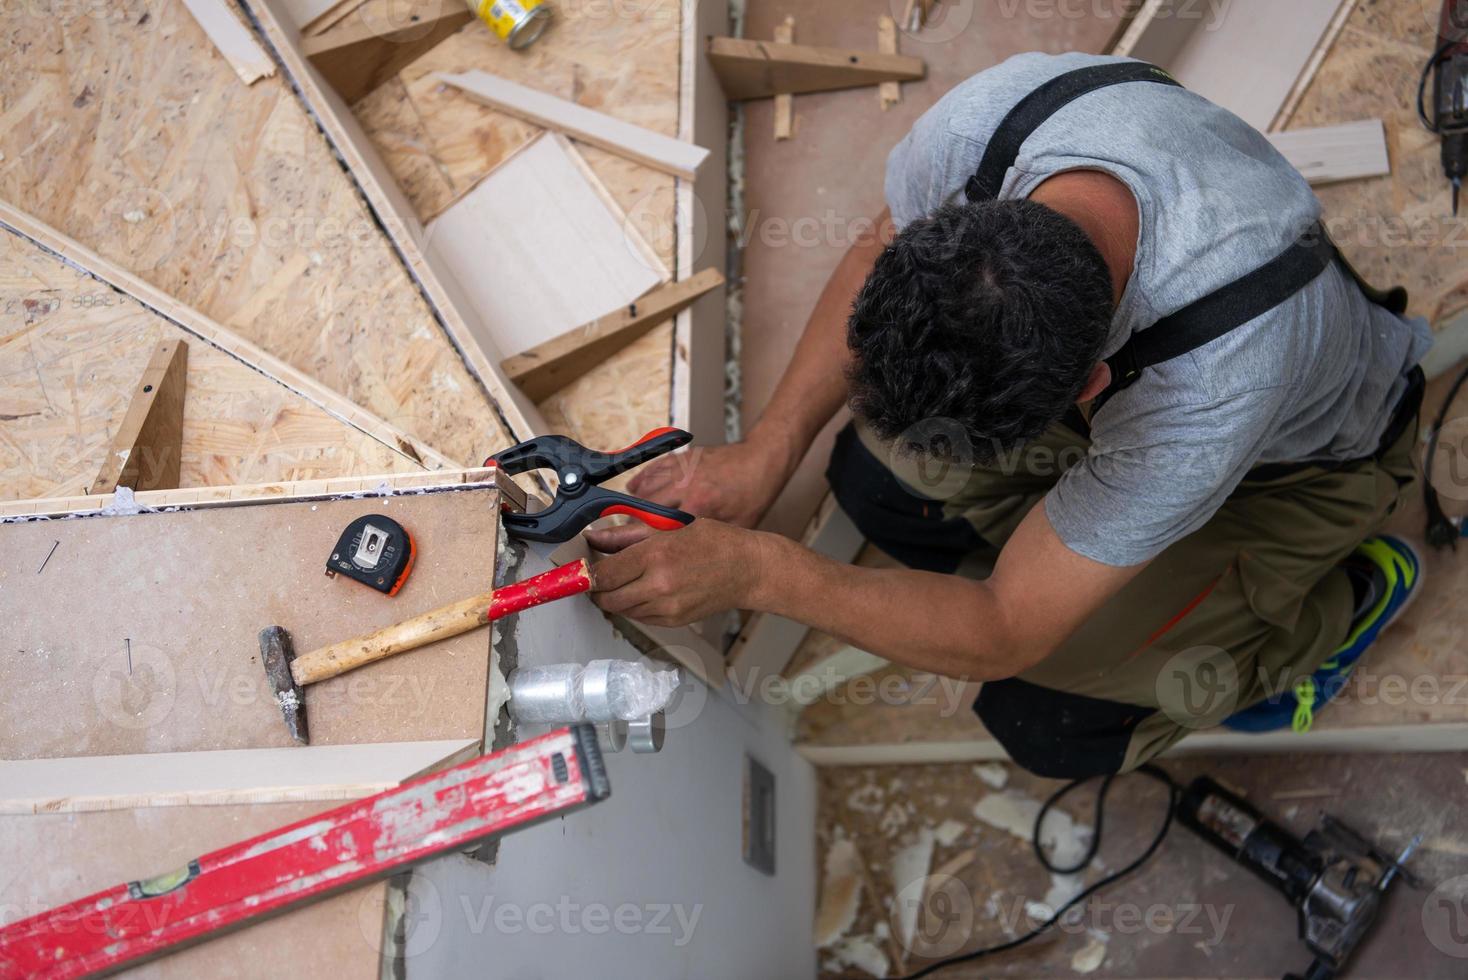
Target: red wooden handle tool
[442, 623]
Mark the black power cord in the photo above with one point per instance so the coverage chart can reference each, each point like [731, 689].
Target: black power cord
[1174, 793]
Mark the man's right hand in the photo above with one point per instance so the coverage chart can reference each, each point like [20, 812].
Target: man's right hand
[735, 484]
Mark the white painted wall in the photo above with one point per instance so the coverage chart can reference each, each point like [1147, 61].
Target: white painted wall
[669, 840]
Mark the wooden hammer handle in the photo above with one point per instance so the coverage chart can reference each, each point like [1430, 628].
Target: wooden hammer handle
[441, 623]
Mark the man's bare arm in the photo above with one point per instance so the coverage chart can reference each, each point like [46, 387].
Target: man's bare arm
[1039, 594]
[738, 483]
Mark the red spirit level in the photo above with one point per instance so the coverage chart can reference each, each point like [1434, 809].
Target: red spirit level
[354, 844]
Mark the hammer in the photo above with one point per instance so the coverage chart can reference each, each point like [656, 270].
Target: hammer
[288, 673]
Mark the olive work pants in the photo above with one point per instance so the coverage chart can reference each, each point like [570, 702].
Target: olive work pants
[1233, 614]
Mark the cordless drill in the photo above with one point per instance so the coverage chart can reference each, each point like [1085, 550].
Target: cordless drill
[1335, 878]
[1450, 93]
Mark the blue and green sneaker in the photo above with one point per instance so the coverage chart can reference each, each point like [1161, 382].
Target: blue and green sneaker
[1386, 574]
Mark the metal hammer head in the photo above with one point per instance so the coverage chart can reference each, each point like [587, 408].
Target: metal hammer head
[276, 653]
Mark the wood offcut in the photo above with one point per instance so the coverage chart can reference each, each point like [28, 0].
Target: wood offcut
[546, 368]
[760, 69]
[147, 450]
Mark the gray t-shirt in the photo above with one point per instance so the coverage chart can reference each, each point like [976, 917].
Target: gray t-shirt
[1313, 379]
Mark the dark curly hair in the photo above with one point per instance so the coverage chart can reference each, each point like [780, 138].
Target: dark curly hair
[992, 314]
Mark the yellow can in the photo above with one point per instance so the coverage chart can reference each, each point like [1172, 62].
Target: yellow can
[517, 22]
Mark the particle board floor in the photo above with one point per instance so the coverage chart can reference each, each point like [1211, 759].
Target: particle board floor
[1191, 912]
[129, 132]
[72, 352]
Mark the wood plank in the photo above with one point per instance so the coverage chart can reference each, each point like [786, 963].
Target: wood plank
[649, 148]
[784, 101]
[189, 498]
[444, 295]
[1327, 154]
[147, 450]
[235, 42]
[358, 53]
[698, 369]
[547, 367]
[135, 633]
[194, 322]
[79, 784]
[888, 93]
[538, 250]
[759, 69]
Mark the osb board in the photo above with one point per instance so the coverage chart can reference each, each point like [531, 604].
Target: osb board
[72, 352]
[439, 143]
[129, 132]
[55, 858]
[1396, 229]
[139, 634]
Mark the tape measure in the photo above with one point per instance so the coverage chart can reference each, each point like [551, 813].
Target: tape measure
[375, 551]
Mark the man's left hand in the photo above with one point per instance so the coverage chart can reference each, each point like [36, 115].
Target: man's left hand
[673, 578]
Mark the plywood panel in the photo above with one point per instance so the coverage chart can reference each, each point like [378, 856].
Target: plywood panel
[539, 251]
[71, 354]
[139, 633]
[134, 137]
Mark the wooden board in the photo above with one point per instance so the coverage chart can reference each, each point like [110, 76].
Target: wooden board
[1246, 58]
[1327, 154]
[539, 250]
[230, 776]
[235, 42]
[372, 43]
[644, 146]
[147, 448]
[751, 69]
[137, 140]
[547, 367]
[235, 495]
[139, 633]
[72, 353]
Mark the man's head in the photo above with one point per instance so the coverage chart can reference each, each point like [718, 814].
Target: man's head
[991, 314]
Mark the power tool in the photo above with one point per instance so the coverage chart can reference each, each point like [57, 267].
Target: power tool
[1335, 878]
[1449, 66]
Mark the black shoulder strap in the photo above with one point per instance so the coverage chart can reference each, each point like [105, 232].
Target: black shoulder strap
[1040, 105]
[1216, 314]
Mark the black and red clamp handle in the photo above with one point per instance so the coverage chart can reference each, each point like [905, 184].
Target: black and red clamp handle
[579, 497]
